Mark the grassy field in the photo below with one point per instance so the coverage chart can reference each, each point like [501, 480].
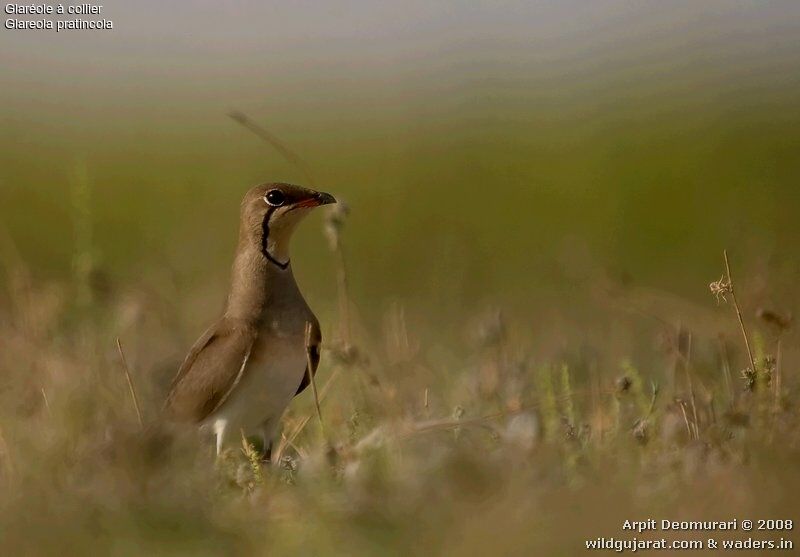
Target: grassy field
[527, 349]
[498, 435]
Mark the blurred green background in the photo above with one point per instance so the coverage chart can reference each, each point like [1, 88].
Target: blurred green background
[491, 152]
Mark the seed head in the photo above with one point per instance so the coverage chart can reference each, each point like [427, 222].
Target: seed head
[721, 288]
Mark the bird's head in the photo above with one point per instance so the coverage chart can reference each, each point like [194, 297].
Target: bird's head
[270, 213]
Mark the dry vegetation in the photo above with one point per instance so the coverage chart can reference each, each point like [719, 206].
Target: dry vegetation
[508, 448]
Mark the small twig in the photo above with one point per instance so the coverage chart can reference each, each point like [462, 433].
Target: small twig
[656, 389]
[131, 388]
[46, 403]
[302, 423]
[299, 450]
[691, 386]
[685, 418]
[739, 312]
[276, 143]
[452, 423]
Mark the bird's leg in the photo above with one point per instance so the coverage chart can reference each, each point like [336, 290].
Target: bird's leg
[219, 431]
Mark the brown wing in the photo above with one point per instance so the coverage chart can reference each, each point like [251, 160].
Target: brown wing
[313, 355]
[212, 369]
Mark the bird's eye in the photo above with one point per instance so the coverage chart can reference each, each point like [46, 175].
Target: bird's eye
[275, 198]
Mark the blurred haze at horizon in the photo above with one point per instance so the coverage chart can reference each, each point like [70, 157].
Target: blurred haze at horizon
[493, 152]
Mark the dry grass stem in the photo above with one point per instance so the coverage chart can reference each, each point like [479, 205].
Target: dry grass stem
[274, 142]
[686, 419]
[301, 424]
[131, 387]
[46, 402]
[692, 397]
[731, 290]
[656, 389]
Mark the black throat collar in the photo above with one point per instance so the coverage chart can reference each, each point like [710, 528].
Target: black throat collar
[265, 236]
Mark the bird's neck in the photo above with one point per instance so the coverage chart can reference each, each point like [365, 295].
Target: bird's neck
[273, 238]
[276, 250]
[255, 281]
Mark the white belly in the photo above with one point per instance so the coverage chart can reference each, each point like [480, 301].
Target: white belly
[270, 381]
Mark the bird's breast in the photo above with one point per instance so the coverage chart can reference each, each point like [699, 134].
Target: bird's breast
[273, 374]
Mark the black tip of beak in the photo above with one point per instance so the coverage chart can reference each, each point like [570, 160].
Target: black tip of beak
[325, 198]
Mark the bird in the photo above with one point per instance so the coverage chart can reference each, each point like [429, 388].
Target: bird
[241, 374]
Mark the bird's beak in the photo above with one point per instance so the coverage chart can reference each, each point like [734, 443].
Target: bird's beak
[324, 198]
[315, 200]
